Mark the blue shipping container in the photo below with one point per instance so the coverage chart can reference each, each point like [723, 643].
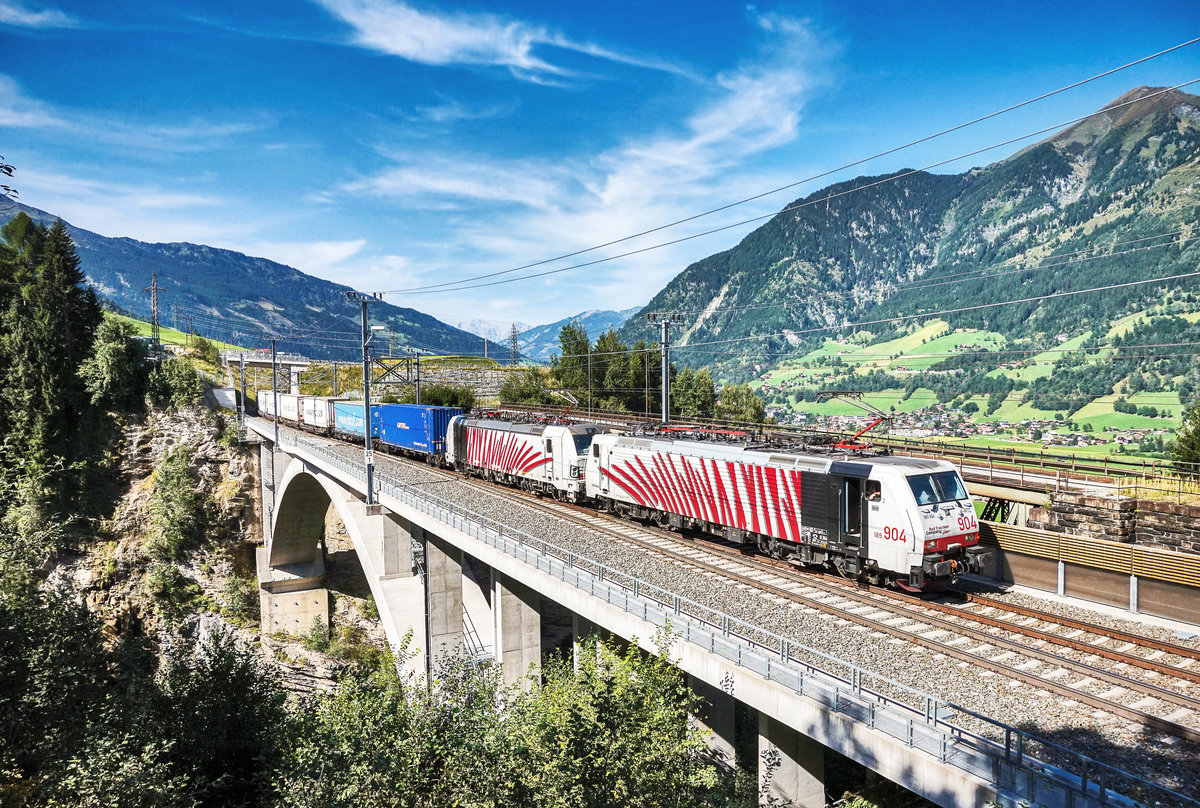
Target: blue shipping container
[348, 418]
[416, 427]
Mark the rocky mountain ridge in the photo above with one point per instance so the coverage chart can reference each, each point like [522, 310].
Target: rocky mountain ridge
[239, 299]
[1108, 200]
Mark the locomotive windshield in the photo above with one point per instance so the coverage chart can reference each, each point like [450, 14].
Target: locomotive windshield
[582, 442]
[929, 489]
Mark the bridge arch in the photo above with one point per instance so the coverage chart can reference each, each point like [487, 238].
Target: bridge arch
[303, 497]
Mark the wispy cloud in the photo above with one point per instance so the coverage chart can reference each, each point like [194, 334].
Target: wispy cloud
[149, 212]
[452, 110]
[16, 14]
[20, 111]
[488, 40]
[650, 178]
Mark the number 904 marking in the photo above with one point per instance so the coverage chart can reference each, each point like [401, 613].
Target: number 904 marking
[894, 534]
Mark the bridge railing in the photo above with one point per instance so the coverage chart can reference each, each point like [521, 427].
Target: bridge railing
[997, 752]
[280, 356]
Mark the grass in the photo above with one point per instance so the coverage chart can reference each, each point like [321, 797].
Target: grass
[168, 336]
[937, 350]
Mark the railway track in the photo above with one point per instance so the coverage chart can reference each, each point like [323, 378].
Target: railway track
[942, 628]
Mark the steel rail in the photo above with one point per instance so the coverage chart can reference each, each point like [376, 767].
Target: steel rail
[1067, 622]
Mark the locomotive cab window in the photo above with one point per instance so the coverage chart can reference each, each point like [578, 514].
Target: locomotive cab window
[595, 450]
[582, 442]
[873, 491]
[931, 489]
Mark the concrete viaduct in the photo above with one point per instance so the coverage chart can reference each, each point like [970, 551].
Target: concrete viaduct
[414, 549]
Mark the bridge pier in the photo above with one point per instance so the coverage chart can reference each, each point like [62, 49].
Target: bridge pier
[443, 597]
[516, 610]
[800, 777]
[718, 715]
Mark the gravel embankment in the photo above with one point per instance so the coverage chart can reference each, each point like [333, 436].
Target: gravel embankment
[1109, 739]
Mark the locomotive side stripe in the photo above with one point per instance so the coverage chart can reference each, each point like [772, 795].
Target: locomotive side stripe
[527, 455]
[751, 496]
[533, 464]
[702, 492]
[718, 490]
[516, 456]
[735, 500]
[672, 499]
[681, 484]
[507, 445]
[710, 496]
[722, 497]
[627, 489]
[661, 480]
[696, 491]
[777, 502]
[639, 495]
[651, 485]
[789, 498]
[631, 476]
[770, 505]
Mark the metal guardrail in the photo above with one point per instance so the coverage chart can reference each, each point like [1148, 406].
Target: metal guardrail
[1077, 782]
[280, 356]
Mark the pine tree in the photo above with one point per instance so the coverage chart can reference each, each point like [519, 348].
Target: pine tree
[1186, 448]
[50, 326]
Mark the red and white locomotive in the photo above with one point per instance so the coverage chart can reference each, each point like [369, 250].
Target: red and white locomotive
[885, 519]
[880, 518]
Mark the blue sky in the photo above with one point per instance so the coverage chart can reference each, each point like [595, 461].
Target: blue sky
[389, 145]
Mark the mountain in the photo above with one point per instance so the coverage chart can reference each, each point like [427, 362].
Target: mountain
[237, 298]
[541, 342]
[1099, 204]
[490, 329]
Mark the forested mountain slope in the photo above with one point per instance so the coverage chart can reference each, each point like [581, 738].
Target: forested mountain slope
[236, 298]
[1109, 200]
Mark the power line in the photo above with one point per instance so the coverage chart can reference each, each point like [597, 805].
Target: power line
[812, 178]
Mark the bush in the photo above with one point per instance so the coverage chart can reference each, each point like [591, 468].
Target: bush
[174, 384]
[176, 507]
[206, 350]
[175, 595]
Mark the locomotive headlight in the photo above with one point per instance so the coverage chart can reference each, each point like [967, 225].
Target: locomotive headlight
[930, 546]
[574, 471]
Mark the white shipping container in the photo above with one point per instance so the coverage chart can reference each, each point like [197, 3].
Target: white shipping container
[266, 402]
[289, 407]
[317, 411]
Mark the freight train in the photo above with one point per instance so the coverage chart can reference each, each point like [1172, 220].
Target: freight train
[879, 518]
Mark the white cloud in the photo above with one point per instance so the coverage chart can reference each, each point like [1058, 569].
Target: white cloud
[531, 208]
[16, 14]
[19, 111]
[452, 110]
[396, 28]
[325, 259]
[463, 179]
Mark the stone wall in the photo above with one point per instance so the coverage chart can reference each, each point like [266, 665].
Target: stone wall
[1143, 522]
[1167, 525]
